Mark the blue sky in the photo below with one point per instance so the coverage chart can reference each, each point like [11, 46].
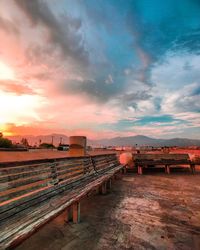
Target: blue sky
[134, 64]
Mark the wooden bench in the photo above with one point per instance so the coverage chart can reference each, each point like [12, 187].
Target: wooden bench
[162, 160]
[32, 193]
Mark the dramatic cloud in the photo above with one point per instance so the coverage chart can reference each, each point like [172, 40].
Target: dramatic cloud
[62, 31]
[101, 68]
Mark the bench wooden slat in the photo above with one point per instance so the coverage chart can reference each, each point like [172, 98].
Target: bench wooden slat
[21, 168]
[68, 165]
[23, 175]
[23, 182]
[67, 176]
[68, 170]
[101, 166]
[18, 192]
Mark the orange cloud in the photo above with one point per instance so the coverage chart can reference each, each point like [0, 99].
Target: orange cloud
[15, 87]
[30, 129]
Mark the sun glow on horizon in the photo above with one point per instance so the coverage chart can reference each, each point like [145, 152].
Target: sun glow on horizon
[6, 73]
[4, 128]
[18, 108]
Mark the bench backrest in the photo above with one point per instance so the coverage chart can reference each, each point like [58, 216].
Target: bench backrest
[165, 158]
[22, 181]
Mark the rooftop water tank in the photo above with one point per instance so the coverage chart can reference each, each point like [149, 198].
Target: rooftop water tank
[77, 145]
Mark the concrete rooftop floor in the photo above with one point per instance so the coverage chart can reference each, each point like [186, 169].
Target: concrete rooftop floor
[152, 211]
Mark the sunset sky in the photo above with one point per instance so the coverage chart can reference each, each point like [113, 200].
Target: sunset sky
[100, 68]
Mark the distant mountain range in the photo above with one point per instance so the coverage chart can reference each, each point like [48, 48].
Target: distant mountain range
[140, 140]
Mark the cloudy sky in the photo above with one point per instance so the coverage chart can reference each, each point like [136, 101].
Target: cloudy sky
[100, 68]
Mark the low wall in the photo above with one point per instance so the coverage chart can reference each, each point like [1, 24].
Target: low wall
[13, 149]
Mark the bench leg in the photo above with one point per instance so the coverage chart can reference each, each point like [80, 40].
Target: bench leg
[109, 184]
[76, 212]
[192, 167]
[68, 215]
[103, 188]
[167, 169]
[124, 170]
[140, 170]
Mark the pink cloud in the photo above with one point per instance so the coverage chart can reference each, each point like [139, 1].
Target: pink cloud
[15, 87]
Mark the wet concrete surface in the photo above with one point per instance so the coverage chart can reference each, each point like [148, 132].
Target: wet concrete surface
[152, 211]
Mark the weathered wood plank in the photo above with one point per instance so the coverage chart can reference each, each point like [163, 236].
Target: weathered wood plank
[104, 165]
[70, 170]
[67, 176]
[23, 190]
[41, 161]
[25, 181]
[18, 176]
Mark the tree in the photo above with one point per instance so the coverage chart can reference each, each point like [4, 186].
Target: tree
[24, 142]
[5, 143]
